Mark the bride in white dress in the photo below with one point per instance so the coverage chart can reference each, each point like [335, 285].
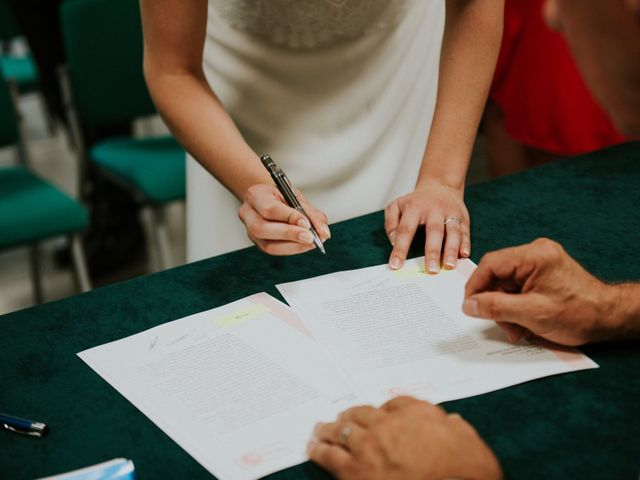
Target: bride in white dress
[364, 103]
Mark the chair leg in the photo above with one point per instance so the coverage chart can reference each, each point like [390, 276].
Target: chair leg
[149, 227]
[36, 279]
[48, 118]
[80, 264]
[161, 233]
[155, 220]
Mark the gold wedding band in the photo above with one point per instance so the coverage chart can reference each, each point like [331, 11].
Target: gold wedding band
[453, 219]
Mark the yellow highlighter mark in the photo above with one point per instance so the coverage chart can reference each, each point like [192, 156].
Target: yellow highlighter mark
[241, 316]
[413, 270]
[410, 271]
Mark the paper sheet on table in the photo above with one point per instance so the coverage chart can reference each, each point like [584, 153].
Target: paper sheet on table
[403, 333]
[239, 387]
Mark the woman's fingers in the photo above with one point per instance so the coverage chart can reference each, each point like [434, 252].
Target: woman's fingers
[278, 247]
[431, 205]
[465, 242]
[276, 228]
[433, 243]
[447, 239]
[319, 221]
[318, 218]
[403, 237]
[453, 238]
[269, 204]
[391, 220]
[259, 228]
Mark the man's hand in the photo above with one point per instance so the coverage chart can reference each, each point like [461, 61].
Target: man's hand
[441, 210]
[404, 439]
[275, 227]
[538, 289]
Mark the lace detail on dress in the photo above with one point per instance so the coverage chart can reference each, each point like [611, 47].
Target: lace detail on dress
[307, 24]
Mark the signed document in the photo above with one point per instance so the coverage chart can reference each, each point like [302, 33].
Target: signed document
[403, 333]
[239, 387]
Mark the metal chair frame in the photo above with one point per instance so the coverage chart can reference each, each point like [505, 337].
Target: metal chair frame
[153, 215]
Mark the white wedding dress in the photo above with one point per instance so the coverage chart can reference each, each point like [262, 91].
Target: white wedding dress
[340, 93]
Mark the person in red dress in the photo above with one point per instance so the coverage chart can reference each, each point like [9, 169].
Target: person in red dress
[539, 108]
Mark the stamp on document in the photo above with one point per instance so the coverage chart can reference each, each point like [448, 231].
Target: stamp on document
[264, 454]
[419, 390]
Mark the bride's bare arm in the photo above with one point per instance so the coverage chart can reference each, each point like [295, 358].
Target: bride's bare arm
[174, 36]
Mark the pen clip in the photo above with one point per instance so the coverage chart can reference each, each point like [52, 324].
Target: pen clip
[30, 433]
[281, 179]
[283, 176]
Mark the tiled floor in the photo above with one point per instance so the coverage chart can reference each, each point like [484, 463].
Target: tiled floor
[53, 160]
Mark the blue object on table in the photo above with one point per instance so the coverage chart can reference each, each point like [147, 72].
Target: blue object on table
[23, 426]
[116, 469]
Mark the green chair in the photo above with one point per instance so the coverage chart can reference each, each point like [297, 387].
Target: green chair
[31, 209]
[22, 70]
[103, 85]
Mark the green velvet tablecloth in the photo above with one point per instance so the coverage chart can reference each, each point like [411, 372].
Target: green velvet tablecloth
[578, 425]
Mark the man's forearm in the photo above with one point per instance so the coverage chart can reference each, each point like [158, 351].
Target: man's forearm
[624, 303]
[470, 46]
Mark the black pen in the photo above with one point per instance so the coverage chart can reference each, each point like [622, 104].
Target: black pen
[23, 426]
[286, 189]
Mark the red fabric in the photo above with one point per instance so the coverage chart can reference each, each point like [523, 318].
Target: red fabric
[545, 102]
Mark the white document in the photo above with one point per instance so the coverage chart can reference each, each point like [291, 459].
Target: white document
[239, 387]
[403, 333]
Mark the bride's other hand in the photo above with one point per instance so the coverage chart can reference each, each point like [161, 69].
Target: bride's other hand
[275, 227]
[442, 210]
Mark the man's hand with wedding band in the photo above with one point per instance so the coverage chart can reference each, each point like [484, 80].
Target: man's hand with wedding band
[404, 439]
